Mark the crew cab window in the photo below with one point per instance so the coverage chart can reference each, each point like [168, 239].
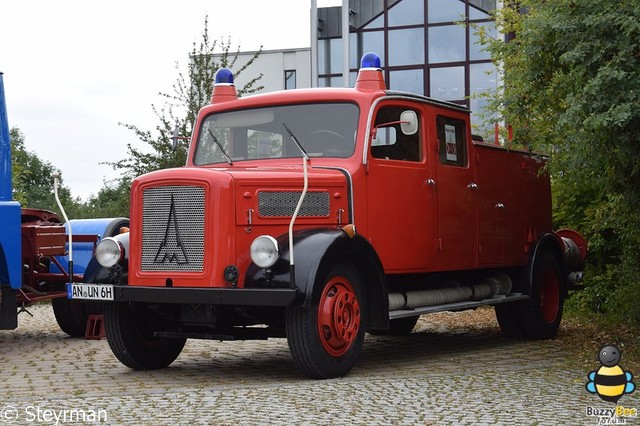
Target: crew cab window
[390, 142]
[323, 130]
[452, 141]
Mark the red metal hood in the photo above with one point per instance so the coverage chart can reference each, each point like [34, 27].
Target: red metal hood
[289, 176]
[254, 190]
[188, 224]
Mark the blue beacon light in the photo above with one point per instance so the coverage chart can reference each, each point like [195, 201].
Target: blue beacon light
[370, 60]
[224, 76]
[370, 76]
[223, 90]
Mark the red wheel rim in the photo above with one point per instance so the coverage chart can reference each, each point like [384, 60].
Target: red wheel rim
[338, 316]
[549, 295]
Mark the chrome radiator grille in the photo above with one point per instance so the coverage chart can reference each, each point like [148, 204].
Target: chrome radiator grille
[173, 228]
[283, 203]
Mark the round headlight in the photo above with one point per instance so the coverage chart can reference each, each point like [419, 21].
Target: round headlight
[264, 251]
[109, 252]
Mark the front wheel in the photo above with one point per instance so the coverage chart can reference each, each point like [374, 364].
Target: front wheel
[130, 329]
[326, 336]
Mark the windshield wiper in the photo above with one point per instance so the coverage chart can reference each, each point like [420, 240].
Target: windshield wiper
[295, 140]
[221, 148]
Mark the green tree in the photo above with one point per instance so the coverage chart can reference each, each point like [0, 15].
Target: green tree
[111, 201]
[33, 179]
[571, 78]
[191, 92]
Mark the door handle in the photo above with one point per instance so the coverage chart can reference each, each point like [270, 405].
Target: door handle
[472, 186]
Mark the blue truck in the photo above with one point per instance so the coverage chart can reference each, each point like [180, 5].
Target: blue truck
[35, 262]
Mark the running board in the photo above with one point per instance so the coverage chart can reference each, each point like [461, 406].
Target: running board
[457, 306]
[236, 333]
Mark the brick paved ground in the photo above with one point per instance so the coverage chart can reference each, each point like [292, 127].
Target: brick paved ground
[441, 374]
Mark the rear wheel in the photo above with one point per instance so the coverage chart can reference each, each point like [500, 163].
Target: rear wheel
[130, 329]
[398, 327]
[326, 336]
[542, 314]
[71, 316]
[8, 306]
[508, 316]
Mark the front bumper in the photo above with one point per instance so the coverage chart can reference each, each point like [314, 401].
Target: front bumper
[188, 295]
[205, 296]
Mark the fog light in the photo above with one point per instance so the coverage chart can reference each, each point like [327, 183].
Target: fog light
[264, 251]
[109, 252]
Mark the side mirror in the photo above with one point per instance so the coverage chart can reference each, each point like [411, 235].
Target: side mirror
[409, 122]
[176, 137]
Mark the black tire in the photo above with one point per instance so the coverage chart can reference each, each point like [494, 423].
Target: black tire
[71, 316]
[325, 337]
[8, 305]
[130, 327]
[508, 316]
[398, 327]
[542, 314]
[94, 308]
[113, 228]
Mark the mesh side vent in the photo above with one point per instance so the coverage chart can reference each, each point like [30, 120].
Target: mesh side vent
[283, 203]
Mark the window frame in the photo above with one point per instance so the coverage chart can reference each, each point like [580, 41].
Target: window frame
[375, 151]
[461, 142]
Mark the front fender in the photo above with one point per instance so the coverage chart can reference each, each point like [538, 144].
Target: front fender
[83, 251]
[548, 242]
[316, 252]
[117, 274]
[10, 245]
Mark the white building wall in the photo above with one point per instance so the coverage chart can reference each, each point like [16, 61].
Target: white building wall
[272, 64]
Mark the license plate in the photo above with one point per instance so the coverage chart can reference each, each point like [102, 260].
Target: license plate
[90, 291]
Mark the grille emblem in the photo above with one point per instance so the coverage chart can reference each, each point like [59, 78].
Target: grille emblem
[171, 249]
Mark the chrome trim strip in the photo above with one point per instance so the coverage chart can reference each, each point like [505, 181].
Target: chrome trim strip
[347, 175]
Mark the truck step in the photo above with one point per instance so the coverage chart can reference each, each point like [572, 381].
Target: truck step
[457, 306]
[237, 333]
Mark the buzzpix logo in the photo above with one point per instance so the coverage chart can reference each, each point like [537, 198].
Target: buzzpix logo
[612, 416]
[610, 382]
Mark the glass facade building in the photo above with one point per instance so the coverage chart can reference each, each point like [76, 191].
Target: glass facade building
[424, 45]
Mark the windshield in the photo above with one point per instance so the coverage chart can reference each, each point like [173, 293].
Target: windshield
[323, 130]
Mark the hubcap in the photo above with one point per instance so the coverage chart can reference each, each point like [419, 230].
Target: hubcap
[338, 316]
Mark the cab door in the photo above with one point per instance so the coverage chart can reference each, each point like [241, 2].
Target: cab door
[400, 201]
[456, 189]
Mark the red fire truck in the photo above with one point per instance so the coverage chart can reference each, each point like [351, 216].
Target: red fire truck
[321, 214]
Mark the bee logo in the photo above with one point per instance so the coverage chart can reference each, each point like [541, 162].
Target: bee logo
[610, 381]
